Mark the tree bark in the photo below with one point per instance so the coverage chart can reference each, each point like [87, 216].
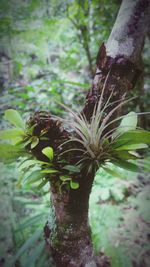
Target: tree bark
[67, 232]
[69, 237]
[120, 57]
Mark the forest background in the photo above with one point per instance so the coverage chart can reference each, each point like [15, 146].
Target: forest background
[48, 53]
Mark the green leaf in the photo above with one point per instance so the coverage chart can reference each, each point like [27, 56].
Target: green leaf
[125, 155]
[74, 185]
[132, 137]
[35, 141]
[14, 118]
[49, 171]
[132, 146]
[9, 151]
[26, 164]
[113, 172]
[29, 163]
[11, 134]
[126, 165]
[33, 177]
[129, 122]
[72, 168]
[48, 152]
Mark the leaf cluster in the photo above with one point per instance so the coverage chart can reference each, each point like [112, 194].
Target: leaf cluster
[99, 142]
[96, 146]
[32, 170]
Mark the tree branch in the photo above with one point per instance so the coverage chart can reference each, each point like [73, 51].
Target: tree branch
[121, 54]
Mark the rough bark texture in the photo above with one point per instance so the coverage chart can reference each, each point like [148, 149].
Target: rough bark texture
[67, 232]
[69, 235]
[120, 57]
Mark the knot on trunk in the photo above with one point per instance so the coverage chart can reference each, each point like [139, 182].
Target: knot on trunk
[116, 74]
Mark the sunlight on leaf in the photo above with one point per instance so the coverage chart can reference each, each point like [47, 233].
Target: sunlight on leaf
[132, 147]
[129, 122]
[11, 134]
[74, 185]
[48, 152]
[14, 118]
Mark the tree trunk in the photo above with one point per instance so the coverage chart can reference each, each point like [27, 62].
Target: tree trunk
[68, 236]
[119, 59]
[67, 232]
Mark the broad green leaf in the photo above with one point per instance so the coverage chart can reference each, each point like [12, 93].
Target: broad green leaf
[8, 151]
[125, 155]
[72, 168]
[14, 118]
[129, 122]
[74, 185]
[132, 137]
[11, 134]
[48, 152]
[132, 147]
[28, 163]
[126, 165]
[33, 177]
[49, 171]
[137, 135]
[112, 172]
[35, 141]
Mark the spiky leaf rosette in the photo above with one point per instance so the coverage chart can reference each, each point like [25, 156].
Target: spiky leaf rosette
[98, 144]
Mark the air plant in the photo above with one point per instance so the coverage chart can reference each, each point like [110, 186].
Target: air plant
[98, 142]
[90, 144]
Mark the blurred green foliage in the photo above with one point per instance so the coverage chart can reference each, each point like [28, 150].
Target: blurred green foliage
[119, 215]
[47, 52]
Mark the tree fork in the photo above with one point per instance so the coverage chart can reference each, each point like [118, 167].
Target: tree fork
[67, 232]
